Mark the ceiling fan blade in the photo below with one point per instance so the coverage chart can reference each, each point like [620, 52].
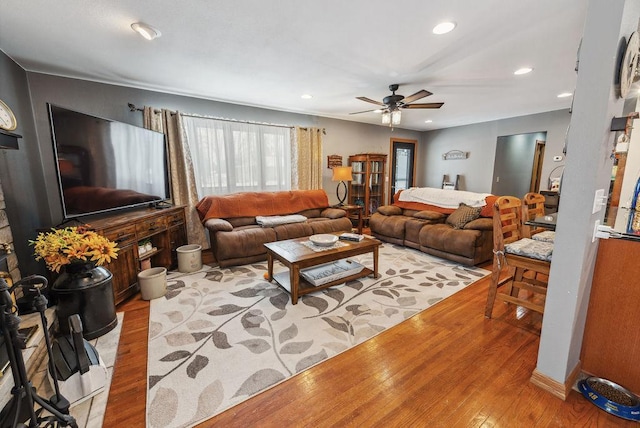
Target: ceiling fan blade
[369, 100]
[365, 111]
[420, 94]
[423, 105]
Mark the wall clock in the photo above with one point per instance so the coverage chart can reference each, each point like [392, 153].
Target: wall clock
[8, 120]
[629, 65]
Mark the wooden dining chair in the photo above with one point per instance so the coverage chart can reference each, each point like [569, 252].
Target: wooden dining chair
[532, 207]
[525, 260]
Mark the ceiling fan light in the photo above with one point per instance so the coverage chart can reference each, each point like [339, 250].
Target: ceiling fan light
[386, 118]
[146, 31]
[396, 115]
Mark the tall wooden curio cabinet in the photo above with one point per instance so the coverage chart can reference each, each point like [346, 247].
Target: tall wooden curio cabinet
[367, 187]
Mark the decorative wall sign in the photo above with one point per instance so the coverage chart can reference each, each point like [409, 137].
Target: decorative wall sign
[334, 160]
[455, 154]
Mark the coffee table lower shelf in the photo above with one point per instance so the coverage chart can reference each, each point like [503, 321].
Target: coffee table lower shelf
[305, 287]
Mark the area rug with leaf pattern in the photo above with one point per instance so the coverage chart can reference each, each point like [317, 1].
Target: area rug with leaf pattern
[220, 336]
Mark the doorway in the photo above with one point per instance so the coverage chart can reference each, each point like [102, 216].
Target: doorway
[402, 166]
[518, 164]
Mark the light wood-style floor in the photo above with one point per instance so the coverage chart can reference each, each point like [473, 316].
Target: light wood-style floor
[446, 367]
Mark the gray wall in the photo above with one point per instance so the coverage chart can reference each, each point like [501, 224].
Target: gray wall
[28, 175]
[596, 102]
[480, 141]
[512, 169]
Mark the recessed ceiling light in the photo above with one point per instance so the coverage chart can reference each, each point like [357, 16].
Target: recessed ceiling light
[523, 70]
[306, 96]
[444, 27]
[145, 30]
[428, 121]
[565, 95]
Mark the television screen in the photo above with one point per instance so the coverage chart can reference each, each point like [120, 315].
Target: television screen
[105, 165]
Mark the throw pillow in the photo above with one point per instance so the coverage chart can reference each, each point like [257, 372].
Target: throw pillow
[463, 215]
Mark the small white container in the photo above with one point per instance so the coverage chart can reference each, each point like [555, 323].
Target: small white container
[189, 258]
[153, 283]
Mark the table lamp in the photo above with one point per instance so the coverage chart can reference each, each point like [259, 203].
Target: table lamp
[341, 174]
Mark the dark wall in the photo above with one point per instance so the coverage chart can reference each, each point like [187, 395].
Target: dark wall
[20, 170]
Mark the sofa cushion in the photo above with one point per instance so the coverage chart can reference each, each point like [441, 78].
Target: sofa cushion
[445, 238]
[326, 225]
[429, 215]
[292, 230]
[246, 240]
[463, 215]
[390, 210]
[412, 230]
[312, 213]
[392, 225]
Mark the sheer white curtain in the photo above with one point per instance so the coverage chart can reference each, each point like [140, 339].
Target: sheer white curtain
[233, 157]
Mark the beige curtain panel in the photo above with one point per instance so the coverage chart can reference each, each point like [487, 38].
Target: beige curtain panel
[309, 158]
[183, 183]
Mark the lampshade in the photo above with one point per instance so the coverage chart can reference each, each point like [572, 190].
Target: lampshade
[386, 118]
[396, 115]
[342, 173]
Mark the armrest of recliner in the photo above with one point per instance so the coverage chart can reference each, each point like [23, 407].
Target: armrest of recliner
[218, 225]
[333, 213]
[389, 210]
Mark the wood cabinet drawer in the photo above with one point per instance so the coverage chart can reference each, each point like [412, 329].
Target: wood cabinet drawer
[121, 235]
[150, 226]
[175, 218]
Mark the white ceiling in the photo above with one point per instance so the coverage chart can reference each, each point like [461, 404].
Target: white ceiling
[269, 53]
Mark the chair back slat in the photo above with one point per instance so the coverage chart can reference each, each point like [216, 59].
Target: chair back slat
[507, 221]
[532, 207]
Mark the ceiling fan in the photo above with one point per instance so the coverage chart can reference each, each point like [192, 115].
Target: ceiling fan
[392, 104]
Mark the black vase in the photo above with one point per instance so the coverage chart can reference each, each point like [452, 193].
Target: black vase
[87, 290]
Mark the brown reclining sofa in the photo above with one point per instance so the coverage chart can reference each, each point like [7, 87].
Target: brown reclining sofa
[426, 228]
[237, 238]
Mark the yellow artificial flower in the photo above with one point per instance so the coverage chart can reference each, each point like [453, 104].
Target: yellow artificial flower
[60, 247]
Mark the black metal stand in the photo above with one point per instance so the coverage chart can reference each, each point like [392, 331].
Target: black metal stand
[21, 409]
[344, 196]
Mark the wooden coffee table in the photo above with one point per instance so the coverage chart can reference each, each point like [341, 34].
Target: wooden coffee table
[296, 256]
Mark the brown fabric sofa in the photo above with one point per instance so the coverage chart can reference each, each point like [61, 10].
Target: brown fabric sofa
[237, 238]
[423, 228]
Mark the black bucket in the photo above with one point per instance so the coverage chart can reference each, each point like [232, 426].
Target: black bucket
[86, 290]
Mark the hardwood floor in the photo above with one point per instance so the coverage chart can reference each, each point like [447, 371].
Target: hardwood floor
[448, 366]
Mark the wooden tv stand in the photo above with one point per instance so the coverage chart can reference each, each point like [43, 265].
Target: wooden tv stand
[165, 228]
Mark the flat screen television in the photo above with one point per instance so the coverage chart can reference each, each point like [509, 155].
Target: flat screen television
[104, 165]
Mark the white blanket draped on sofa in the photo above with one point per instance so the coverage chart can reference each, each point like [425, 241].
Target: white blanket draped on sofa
[444, 198]
[276, 220]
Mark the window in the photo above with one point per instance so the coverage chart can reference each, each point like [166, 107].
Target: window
[231, 157]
